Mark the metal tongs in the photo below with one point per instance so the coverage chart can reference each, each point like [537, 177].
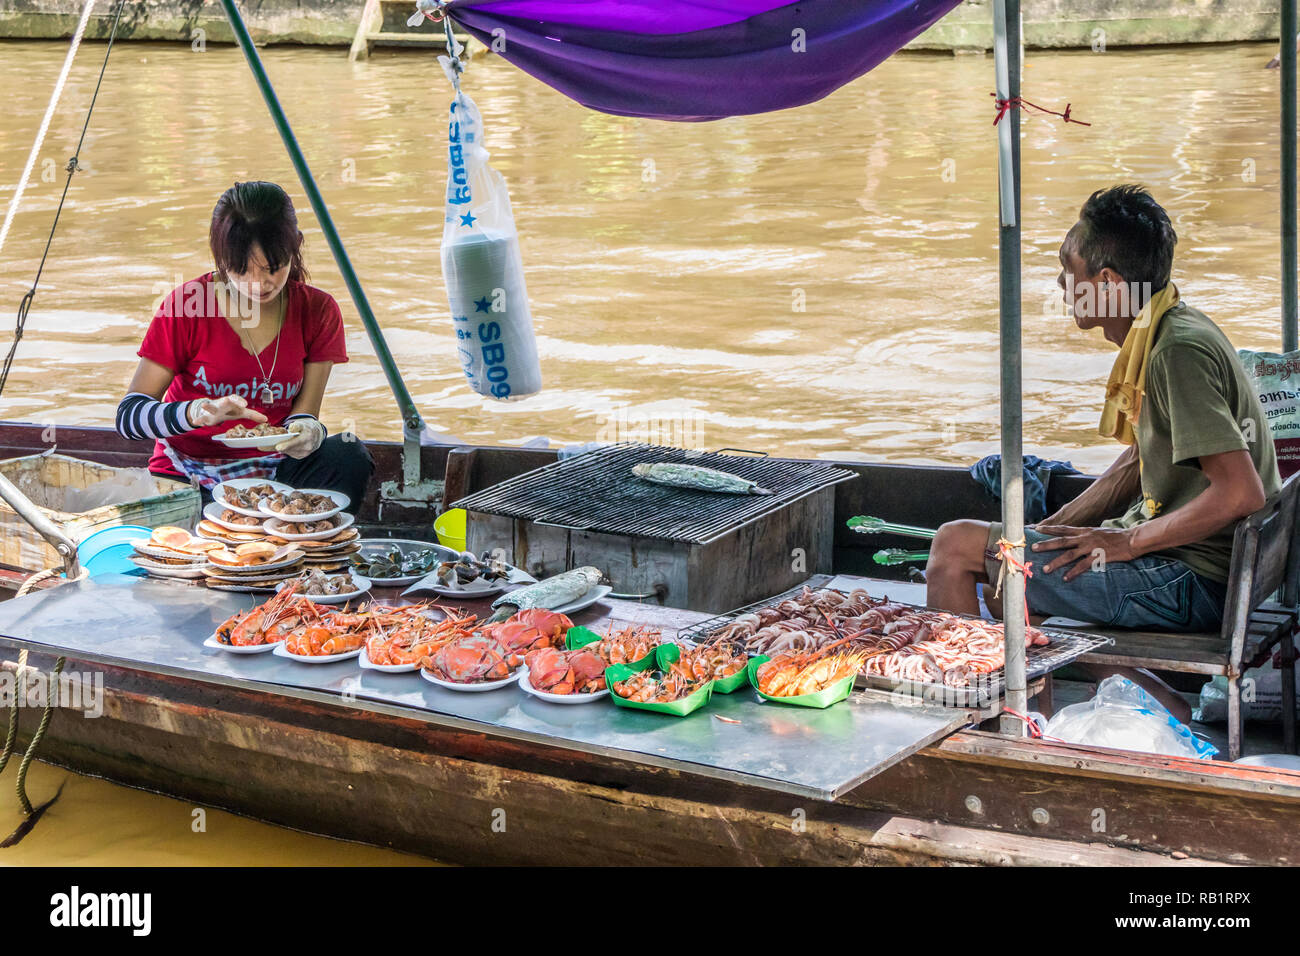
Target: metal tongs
[867, 525]
[892, 556]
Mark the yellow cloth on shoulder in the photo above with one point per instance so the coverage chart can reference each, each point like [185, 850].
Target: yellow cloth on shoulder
[1128, 377]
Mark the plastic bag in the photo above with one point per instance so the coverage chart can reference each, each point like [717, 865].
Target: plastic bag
[134, 484]
[1277, 382]
[1124, 716]
[1261, 696]
[482, 265]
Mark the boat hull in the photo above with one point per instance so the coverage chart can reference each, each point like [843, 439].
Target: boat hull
[476, 798]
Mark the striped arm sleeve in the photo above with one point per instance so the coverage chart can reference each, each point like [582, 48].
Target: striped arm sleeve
[139, 416]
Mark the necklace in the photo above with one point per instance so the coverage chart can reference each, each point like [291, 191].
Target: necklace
[266, 396]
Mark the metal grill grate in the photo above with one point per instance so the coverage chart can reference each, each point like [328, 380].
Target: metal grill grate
[597, 492]
[1065, 647]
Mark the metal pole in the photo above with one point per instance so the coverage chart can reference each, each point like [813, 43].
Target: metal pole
[1007, 55]
[1289, 290]
[46, 528]
[412, 421]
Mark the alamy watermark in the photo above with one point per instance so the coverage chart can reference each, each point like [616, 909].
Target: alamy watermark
[75, 690]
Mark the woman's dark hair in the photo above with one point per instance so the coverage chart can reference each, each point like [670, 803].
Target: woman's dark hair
[256, 213]
[1125, 229]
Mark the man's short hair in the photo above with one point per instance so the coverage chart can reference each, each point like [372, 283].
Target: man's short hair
[1125, 229]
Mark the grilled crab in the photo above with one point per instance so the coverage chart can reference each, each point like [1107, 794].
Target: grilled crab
[473, 659]
[532, 629]
[565, 672]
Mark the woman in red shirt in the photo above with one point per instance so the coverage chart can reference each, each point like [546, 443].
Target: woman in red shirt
[246, 344]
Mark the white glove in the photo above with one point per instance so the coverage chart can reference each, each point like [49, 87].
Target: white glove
[305, 436]
[213, 411]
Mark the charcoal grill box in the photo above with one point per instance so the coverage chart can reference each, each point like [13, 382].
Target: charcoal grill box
[697, 550]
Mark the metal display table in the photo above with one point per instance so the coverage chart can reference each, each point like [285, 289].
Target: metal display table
[159, 627]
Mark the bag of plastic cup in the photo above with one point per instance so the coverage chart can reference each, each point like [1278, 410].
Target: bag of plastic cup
[482, 265]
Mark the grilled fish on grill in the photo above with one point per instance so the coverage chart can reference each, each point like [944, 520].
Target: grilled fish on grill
[697, 478]
[554, 592]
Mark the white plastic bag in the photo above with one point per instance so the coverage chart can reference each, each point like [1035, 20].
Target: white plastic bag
[134, 484]
[1124, 716]
[482, 265]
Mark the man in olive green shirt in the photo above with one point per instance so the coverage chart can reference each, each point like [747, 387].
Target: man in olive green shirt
[1148, 545]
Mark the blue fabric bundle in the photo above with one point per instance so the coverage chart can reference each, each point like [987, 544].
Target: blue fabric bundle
[988, 472]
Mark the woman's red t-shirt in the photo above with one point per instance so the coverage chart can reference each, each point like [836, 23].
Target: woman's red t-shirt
[190, 335]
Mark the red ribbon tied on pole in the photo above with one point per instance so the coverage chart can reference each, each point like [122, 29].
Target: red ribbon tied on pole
[1005, 106]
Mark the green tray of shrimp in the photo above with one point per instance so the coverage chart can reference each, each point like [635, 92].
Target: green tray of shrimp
[680, 681]
[817, 678]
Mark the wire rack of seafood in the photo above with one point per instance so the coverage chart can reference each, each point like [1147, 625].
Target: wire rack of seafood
[945, 658]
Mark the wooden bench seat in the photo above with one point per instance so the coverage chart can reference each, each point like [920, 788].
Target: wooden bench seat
[1203, 652]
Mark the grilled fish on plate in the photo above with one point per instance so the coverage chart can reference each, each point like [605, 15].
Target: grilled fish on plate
[554, 592]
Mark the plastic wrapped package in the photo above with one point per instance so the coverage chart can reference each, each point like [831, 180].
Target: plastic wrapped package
[483, 267]
[1124, 716]
[1261, 696]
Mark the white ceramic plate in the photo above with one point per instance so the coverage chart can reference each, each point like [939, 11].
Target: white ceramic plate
[242, 588]
[164, 571]
[225, 570]
[470, 688]
[373, 547]
[360, 586]
[213, 513]
[146, 550]
[219, 493]
[233, 541]
[477, 588]
[239, 648]
[340, 500]
[281, 651]
[526, 686]
[284, 529]
[265, 442]
[586, 601]
[364, 661]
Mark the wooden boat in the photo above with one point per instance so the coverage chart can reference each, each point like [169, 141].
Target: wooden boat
[464, 794]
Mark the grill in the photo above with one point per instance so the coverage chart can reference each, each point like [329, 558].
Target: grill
[597, 492]
[691, 549]
[983, 692]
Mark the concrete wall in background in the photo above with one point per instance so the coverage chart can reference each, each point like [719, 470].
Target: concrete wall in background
[331, 22]
[1048, 23]
[1094, 24]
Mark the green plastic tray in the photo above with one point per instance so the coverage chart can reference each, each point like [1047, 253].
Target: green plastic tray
[823, 698]
[668, 654]
[580, 636]
[678, 708]
[577, 637]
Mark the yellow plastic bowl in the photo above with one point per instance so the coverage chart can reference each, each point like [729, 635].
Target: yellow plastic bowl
[450, 529]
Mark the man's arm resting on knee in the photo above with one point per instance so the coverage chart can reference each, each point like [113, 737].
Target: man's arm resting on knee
[1107, 497]
[1234, 492]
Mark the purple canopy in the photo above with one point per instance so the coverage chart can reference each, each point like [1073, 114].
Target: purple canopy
[674, 60]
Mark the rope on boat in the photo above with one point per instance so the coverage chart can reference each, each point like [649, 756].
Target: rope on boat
[45, 123]
[31, 814]
[34, 813]
[73, 165]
